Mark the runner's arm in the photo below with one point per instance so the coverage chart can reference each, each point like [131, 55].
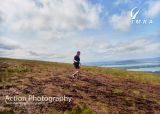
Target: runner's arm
[75, 61]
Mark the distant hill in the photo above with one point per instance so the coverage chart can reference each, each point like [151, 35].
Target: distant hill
[147, 64]
[97, 91]
[123, 62]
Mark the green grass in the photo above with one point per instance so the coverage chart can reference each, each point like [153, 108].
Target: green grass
[5, 110]
[119, 73]
[118, 91]
[79, 110]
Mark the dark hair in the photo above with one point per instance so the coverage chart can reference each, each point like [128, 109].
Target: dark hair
[78, 52]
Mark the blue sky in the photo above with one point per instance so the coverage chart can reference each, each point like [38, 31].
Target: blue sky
[101, 29]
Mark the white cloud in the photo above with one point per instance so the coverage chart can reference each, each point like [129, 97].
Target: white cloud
[147, 45]
[44, 29]
[8, 44]
[153, 9]
[103, 49]
[51, 30]
[50, 15]
[121, 22]
[8, 47]
[92, 49]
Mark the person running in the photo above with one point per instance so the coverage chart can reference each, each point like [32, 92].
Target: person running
[76, 63]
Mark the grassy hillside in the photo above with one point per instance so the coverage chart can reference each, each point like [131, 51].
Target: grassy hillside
[97, 91]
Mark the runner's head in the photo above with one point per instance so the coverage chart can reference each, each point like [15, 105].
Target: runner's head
[78, 53]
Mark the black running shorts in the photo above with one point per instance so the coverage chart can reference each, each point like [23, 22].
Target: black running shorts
[76, 66]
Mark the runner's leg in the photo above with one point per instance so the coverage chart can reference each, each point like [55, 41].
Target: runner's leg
[75, 73]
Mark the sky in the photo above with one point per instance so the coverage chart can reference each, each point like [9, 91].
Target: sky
[103, 30]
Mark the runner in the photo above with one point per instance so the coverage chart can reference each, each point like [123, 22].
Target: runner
[76, 64]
